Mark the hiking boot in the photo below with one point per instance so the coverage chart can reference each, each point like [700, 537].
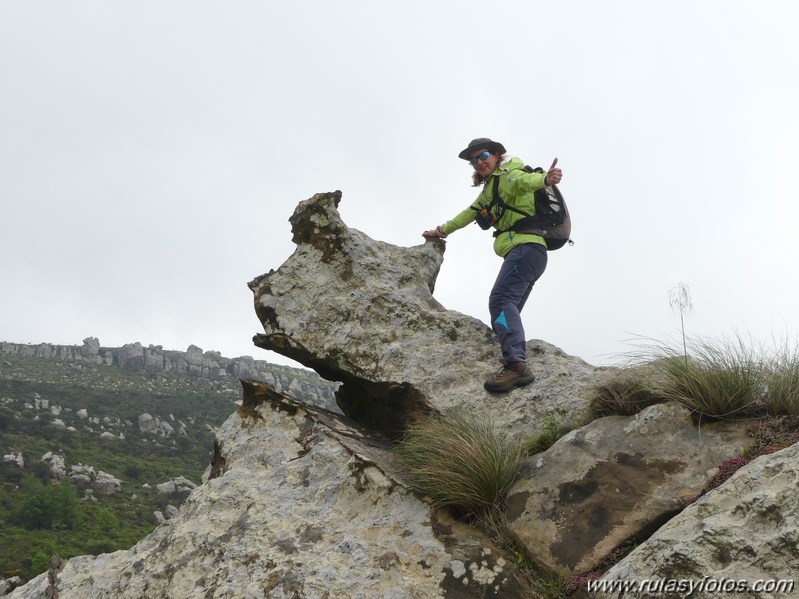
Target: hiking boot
[511, 376]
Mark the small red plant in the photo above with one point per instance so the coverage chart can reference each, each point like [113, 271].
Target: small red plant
[726, 470]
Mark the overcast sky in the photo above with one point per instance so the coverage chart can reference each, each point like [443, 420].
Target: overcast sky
[151, 154]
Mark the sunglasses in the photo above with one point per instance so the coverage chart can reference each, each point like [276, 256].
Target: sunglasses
[481, 156]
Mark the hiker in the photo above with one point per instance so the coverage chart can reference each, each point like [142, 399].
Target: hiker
[524, 254]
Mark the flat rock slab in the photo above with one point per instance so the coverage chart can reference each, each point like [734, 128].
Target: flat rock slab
[616, 478]
[743, 534]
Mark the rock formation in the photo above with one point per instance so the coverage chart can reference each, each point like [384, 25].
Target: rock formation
[603, 484]
[377, 329]
[300, 502]
[744, 532]
[297, 505]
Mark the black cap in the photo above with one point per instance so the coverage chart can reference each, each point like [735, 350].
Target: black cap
[482, 143]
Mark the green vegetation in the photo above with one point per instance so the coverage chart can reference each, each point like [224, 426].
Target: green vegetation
[461, 461]
[782, 382]
[39, 514]
[552, 430]
[713, 379]
[717, 380]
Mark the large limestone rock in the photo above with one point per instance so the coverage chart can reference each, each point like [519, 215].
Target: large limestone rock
[745, 530]
[147, 424]
[106, 484]
[296, 505]
[615, 479]
[361, 311]
[58, 469]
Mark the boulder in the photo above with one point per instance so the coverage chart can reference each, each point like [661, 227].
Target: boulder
[80, 480]
[177, 484]
[615, 479]
[131, 357]
[745, 530]
[7, 584]
[90, 349]
[14, 459]
[106, 484]
[166, 429]
[147, 424]
[58, 469]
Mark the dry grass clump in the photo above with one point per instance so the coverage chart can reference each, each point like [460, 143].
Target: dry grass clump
[713, 379]
[462, 461]
[783, 382]
[624, 395]
[718, 379]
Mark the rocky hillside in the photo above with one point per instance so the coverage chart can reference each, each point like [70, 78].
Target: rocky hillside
[301, 502]
[130, 430]
[166, 369]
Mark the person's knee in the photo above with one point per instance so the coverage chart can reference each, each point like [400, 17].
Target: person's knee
[496, 303]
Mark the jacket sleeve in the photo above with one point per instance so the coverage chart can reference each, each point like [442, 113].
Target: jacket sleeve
[460, 221]
[527, 182]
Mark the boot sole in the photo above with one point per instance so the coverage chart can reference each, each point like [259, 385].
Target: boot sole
[520, 382]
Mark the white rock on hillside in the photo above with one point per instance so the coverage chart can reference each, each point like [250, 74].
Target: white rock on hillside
[15, 459]
[147, 423]
[106, 484]
[56, 463]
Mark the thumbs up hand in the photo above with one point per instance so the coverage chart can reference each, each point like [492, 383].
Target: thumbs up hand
[554, 174]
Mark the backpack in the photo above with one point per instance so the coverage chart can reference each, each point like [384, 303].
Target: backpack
[551, 219]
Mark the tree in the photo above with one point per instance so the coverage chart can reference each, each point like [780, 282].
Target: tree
[46, 506]
[106, 520]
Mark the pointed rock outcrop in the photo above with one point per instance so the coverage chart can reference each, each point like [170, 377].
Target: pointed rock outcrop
[361, 311]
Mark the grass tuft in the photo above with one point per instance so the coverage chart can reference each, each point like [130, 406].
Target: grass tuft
[461, 461]
[625, 395]
[783, 382]
[716, 379]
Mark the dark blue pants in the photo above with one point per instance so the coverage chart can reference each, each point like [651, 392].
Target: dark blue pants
[522, 267]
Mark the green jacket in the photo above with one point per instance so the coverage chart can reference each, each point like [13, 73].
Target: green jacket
[516, 188]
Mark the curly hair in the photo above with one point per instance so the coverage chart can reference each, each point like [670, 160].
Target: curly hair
[478, 179]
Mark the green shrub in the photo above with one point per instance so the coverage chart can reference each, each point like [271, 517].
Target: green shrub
[461, 461]
[552, 431]
[40, 562]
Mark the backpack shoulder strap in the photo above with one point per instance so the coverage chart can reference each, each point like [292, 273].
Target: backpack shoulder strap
[499, 202]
